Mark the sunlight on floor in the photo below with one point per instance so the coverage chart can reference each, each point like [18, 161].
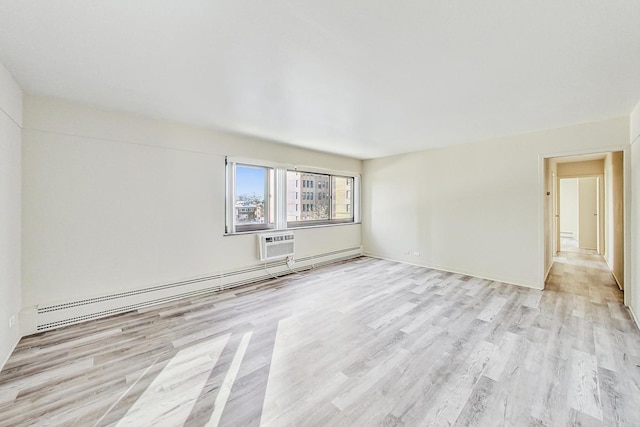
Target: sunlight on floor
[171, 396]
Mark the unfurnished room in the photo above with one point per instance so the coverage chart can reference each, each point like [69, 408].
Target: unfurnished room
[319, 213]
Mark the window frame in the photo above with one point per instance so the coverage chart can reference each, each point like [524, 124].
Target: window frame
[311, 200]
[230, 202]
[277, 202]
[329, 197]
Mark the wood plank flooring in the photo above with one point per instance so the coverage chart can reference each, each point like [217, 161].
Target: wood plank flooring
[361, 343]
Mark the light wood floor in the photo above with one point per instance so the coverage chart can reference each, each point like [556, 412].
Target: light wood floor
[364, 343]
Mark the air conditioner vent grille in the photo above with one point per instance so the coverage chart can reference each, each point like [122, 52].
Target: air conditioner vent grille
[274, 246]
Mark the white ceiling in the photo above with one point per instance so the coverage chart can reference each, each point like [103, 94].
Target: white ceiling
[364, 78]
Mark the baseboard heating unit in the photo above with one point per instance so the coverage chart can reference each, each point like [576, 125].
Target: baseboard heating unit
[70, 312]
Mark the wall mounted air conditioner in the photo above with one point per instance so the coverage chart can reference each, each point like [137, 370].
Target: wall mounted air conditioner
[276, 245]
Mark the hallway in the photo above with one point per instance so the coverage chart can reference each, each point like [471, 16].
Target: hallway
[568, 244]
[583, 272]
[593, 322]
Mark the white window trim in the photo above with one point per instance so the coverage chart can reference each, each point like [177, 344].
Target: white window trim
[230, 197]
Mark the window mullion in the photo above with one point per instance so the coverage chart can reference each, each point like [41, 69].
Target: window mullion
[355, 203]
[331, 189]
[267, 200]
[280, 198]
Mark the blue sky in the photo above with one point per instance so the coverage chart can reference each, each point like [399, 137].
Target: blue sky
[250, 180]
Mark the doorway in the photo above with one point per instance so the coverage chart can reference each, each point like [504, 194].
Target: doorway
[584, 209]
[579, 214]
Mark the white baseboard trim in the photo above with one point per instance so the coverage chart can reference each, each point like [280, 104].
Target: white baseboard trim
[546, 274]
[635, 318]
[42, 318]
[448, 270]
[617, 281]
[612, 272]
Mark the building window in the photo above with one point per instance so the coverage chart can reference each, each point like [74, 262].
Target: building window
[263, 197]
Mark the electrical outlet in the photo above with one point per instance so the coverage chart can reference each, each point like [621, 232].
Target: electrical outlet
[290, 261]
[416, 253]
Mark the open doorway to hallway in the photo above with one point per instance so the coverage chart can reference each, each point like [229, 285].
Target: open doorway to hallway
[584, 208]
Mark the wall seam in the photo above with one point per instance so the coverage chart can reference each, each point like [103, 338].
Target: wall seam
[11, 117]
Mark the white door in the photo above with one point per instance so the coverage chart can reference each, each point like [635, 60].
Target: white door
[588, 213]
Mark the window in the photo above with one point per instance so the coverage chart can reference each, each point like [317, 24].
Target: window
[341, 198]
[263, 197]
[331, 206]
[252, 209]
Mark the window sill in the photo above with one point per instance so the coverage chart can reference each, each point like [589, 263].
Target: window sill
[279, 230]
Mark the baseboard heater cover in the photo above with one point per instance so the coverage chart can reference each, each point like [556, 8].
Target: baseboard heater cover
[71, 312]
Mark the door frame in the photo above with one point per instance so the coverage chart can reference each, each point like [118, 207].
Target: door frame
[543, 217]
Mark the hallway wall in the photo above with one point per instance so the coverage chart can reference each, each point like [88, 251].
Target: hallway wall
[634, 259]
[614, 215]
[581, 168]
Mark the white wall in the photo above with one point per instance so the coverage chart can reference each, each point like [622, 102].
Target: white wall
[569, 207]
[476, 208]
[10, 228]
[114, 202]
[633, 260]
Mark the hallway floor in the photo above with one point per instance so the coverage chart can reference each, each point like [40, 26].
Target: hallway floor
[569, 244]
[590, 315]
